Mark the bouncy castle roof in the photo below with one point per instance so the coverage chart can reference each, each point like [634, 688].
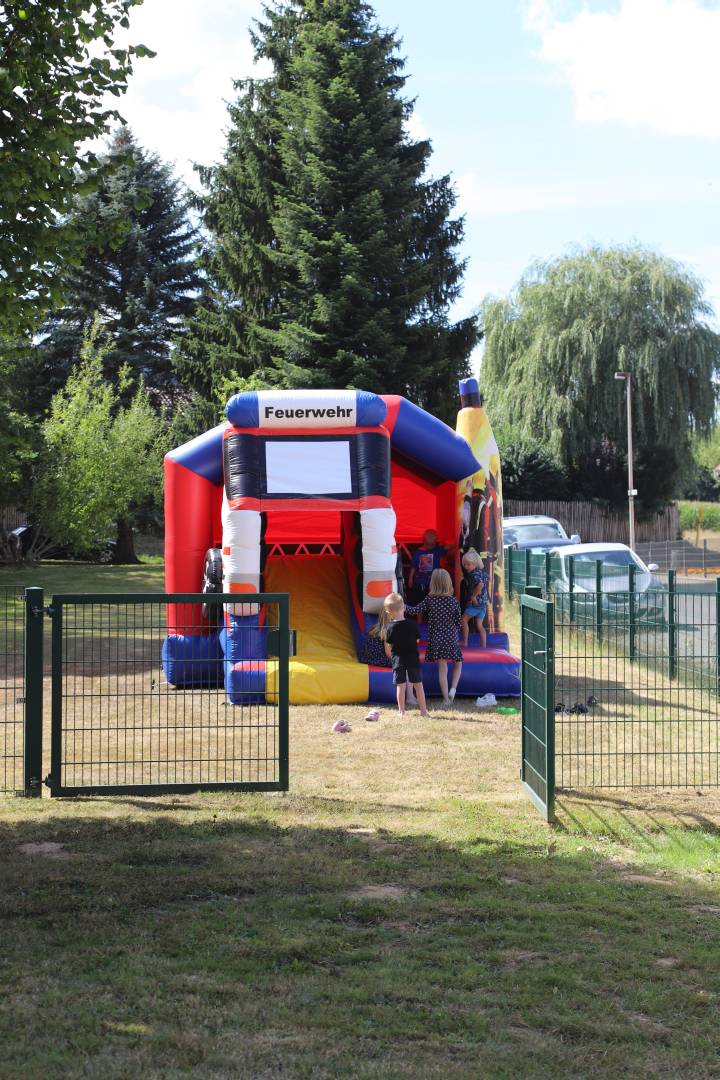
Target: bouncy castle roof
[414, 433]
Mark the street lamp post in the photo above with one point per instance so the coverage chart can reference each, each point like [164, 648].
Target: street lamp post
[626, 377]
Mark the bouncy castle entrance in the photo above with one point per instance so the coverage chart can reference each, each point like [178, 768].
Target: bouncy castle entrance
[325, 667]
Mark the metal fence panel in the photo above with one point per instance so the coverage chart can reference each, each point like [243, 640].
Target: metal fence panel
[538, 751]
[636, 689]
[12, 688]
[119, 726]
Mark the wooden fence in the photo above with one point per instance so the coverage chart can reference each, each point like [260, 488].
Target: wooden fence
[597, 525]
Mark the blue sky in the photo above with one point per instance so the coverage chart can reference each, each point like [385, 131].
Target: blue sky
[562, 122]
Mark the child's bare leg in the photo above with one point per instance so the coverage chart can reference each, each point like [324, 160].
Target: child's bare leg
[400, 693]
[481, 632]
[409, 694]
[457, 671]
[465, 629]
[442, 679]
[420, 695]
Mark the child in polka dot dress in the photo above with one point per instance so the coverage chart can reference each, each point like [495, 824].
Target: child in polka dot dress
[441, 611]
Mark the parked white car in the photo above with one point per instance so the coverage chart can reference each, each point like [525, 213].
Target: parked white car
[536, 532]
[616, 560]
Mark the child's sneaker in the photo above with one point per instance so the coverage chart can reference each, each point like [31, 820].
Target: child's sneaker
[374, 714]
[486, 701]
[341, 727]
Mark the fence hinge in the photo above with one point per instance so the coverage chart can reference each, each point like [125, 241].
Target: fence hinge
[48, 781]
[34, 783]
[49, 610]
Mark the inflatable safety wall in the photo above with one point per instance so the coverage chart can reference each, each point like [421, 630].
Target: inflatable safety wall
[479, 509]
[321, 494]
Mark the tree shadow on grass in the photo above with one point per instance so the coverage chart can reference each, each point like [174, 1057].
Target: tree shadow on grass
[234, 947]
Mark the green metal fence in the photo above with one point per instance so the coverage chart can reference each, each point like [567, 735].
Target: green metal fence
[636, 676]
[12, 688]
[537, 768]
[636, 690]
[117, 725]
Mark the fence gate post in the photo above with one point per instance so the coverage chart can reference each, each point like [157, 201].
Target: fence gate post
[537, 765]
[33, 665]
[571, 588]
[509, 570]
[672, 642]
[283, 693]
[547, 573]
[528, 571]
[631, 611]
[598, 600]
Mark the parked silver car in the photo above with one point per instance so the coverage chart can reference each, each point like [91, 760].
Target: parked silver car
[616, 560]
[536, 532]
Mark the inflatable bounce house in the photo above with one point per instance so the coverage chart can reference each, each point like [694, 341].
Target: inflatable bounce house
[324, 495]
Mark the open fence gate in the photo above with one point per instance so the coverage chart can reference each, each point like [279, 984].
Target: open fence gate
[537, 769]
[117, 724]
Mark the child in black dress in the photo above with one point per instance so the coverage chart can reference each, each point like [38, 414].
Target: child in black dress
[441, 611]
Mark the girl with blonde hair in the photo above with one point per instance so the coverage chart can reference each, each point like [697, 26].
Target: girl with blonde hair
[478, 598]
[441, 611]
[373, 650]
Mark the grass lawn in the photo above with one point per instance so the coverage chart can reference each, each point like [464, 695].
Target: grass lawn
[403, 912]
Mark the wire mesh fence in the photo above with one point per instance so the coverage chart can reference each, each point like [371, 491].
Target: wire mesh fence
[12, 688]
[636, 691]
[159, 693]
[637, 673]
[696, 560]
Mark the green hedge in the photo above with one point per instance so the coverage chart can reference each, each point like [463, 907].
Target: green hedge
[689, 515]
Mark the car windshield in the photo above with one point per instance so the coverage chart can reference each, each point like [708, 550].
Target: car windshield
[546, 530]
[611, 558]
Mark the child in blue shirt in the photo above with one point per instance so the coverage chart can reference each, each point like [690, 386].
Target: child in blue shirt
[426, 559]
[478, 599]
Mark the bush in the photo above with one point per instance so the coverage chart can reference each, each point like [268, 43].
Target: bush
[690, 512]
[701, 485]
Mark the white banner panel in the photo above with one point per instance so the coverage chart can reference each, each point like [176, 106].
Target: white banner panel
[308, 468]
[306, 408]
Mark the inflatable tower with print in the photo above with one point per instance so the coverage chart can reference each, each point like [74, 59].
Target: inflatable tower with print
[480, 497]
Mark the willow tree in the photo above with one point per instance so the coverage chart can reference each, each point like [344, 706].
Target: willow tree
[552, 348]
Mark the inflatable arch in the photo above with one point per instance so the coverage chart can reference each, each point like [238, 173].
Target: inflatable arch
[322, 494]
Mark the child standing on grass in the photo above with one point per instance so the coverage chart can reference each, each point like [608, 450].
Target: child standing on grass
[477, 605]
[401, 639]
[441, 611]
[372, 650]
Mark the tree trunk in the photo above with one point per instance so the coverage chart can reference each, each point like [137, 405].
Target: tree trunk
[125, 551]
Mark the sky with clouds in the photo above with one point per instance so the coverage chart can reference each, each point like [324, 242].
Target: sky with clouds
[562, 121]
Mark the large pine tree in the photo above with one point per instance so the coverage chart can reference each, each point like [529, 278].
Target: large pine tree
[332, 257]
[138, 274]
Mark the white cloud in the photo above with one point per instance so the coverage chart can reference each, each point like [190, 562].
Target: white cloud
[648, 63]
[480, 199]
[175, 103]
[416, 127]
